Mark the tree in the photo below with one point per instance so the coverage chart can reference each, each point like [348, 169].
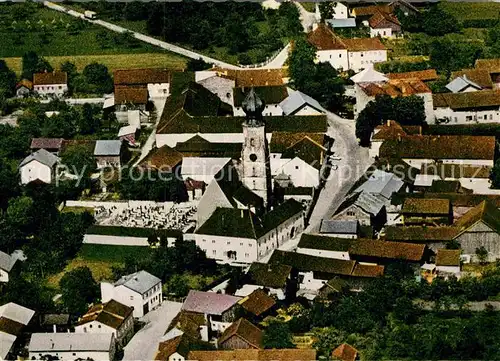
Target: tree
[482, 254]
[78, 289]
[465, 54]
[72, 72]
[301, 63]
[289, 19]
[197, 65]
[32, 63]
[277, 335]
[80, 161]
[327, 9]
[98, 78]
[7, 79]
[438, 22]
[89, 122]
[495, 175]
[20, 213]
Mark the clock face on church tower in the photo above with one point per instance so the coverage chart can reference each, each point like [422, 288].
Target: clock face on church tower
[253, 157]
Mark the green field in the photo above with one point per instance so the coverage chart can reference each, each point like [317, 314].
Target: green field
[472, 10]
[311, 7]
[116, 61]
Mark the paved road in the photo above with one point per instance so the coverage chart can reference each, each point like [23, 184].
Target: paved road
[306, 18]
[276, 63]
[353, 163]
[144, 344]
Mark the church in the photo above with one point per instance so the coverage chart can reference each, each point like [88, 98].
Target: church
[238, 219]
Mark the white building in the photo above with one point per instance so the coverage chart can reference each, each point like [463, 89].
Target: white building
[39, 166]
[299, 103]
[467, 107]
[344, 54]
[201, 168]
[340, 11]
[448, 262]
[72, 346]
[272, 96]
[140, 290]
[155, 80]
[110, 317]
[7, 262]
[50, 83]
[384, 25]
[324, 246]
[13, 318]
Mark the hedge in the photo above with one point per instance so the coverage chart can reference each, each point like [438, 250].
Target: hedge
[133, 232]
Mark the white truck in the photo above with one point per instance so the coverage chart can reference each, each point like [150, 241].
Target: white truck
[90, 14]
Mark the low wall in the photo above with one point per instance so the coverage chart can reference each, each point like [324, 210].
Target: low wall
[123, 204]
[115, 240]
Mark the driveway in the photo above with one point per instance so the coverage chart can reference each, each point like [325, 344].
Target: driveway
[306, 18]
[144, 344]
[354, 161]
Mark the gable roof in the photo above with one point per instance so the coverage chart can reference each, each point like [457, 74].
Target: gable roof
[254, 355]
[253, 77]
[188, 322]
[424, 75]
[140, 281]
[467, 100]
[74, 342]
[370, 10]
[396, 87]
[456, 171]
[182, 345]
[210, 303]
[141, 76]
[111, 313]
[448, 257]
[387, 250]
[341, 23]
[323, 38]
[24, 83]
[257, 302]
[321, 242]
[46, 143]
[480, 77]
[42, 156]
[268, 275]
[108, 147]
[268, 94]
[492, 65]
[381, 183]
[426, 206]
[245, 330]
[460, 83]
[363, 44]
[280, 141]
[131, 94]
[16, 313]
[339, 226]
[485, 212]
[50, 78]
[164, 158]
[368, 202]
[419, 234]
[381, 20]
[345, 352]
[440, 147]
[308, 150]
[6, 262]
[308, 263]
[297, 100]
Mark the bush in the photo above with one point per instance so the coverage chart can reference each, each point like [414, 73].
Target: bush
[244, 59]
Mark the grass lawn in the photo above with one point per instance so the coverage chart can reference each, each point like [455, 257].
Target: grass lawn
[116, 61]
[100, 259]
[311, 7]
[472, 10]
[78, 210]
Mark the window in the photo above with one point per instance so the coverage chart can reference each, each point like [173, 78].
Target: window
[340, 55]
[296, 167]
[90, 326]
[249, 245]
[491, 116]
[247, 255]
[74, 354]
[214, 252]
[204, 240]
[330, 56]
[362, 54]
[468, 118]
[98, 326]
[228, 242]
[456, 120]
[241, 243]
[85, 329]
[351, 213]
[131, 299]
[485, 117]
[213, 240]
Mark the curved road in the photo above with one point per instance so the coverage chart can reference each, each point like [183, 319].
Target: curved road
[276, 63]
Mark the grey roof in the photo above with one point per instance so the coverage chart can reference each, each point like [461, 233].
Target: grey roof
[342, 23]
[209, 303]
[16, 313]
[382, 183]
[338, 227]
[296, 100]
[107, 147]
[371, 203]
[6, 262]
[140, 282]
[41, 156]
[74, 342]
[460, 83]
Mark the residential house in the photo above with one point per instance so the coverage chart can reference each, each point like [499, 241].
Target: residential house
[108, 153]
[140, 290]
[340, 11]
[274, 278]
[155, 80]
[7, 263]
[52, 145]
[425, 211]
[272, 96]
[339, 228]
[50, 83]
[72, 346]
[220, 310]
[448, 261]
[128, 134]
[257, 305]
[384, 25]
[417, 150]
[54, 322]
[13, 322]
[298, 103]
[469, 80]
[192, 324]
[241, 334]
[405, 7]
[110, 317]
[345, 54]
[345, 352]
[427, 75]
[130, 98]
[178, 348]
[369, 83]
[324, 246]
[493, 68]
[254, 355]
[467, 107]
[24, 88]
[39, 166]
[251, 77]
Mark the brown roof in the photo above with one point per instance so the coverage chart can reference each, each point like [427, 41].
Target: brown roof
[323, 38]
[46, 143]
[167, 348]
[269, 275]
[370, 10]
[367, 270]
[424, 75]
[283, 140]
[188, 322]
[10, 326]
[448, 257]
[48, 78]
[396, 87]
[384, 249]
[111, 313]
[164, 158]
[253, 77]
[467, 100]
[445, 170]
[420, 233]
[254, 355]
[141, 76]
[479, 76]
[26, 83]
[492, 65]
[389, 130]
[257, 302]
[245, 330]
[383, 20]
[485, 212]
[440, 147]
[426, 206]
[363, 44]
[131, 94]
[345, 352]
[180, 344]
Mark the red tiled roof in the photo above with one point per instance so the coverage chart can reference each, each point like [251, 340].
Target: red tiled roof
[257, 302]
[254, 355]
[46, 143]
[363, 44]
[131, 94]
[141, 76]
[245, 330]
[424, 75]
[383, 20]
[396, 87]
[345, 352]
[48, 78]
[448, 257]
[323, 38]
[370, 10]
[26, 83]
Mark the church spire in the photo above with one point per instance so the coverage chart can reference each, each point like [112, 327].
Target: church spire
[253, 107]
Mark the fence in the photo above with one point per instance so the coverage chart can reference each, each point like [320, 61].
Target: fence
[267, 61]
[118, 204]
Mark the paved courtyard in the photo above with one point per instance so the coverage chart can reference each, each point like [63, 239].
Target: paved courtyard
[144, 344]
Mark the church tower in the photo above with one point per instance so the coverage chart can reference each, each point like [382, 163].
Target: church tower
[255, 152]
